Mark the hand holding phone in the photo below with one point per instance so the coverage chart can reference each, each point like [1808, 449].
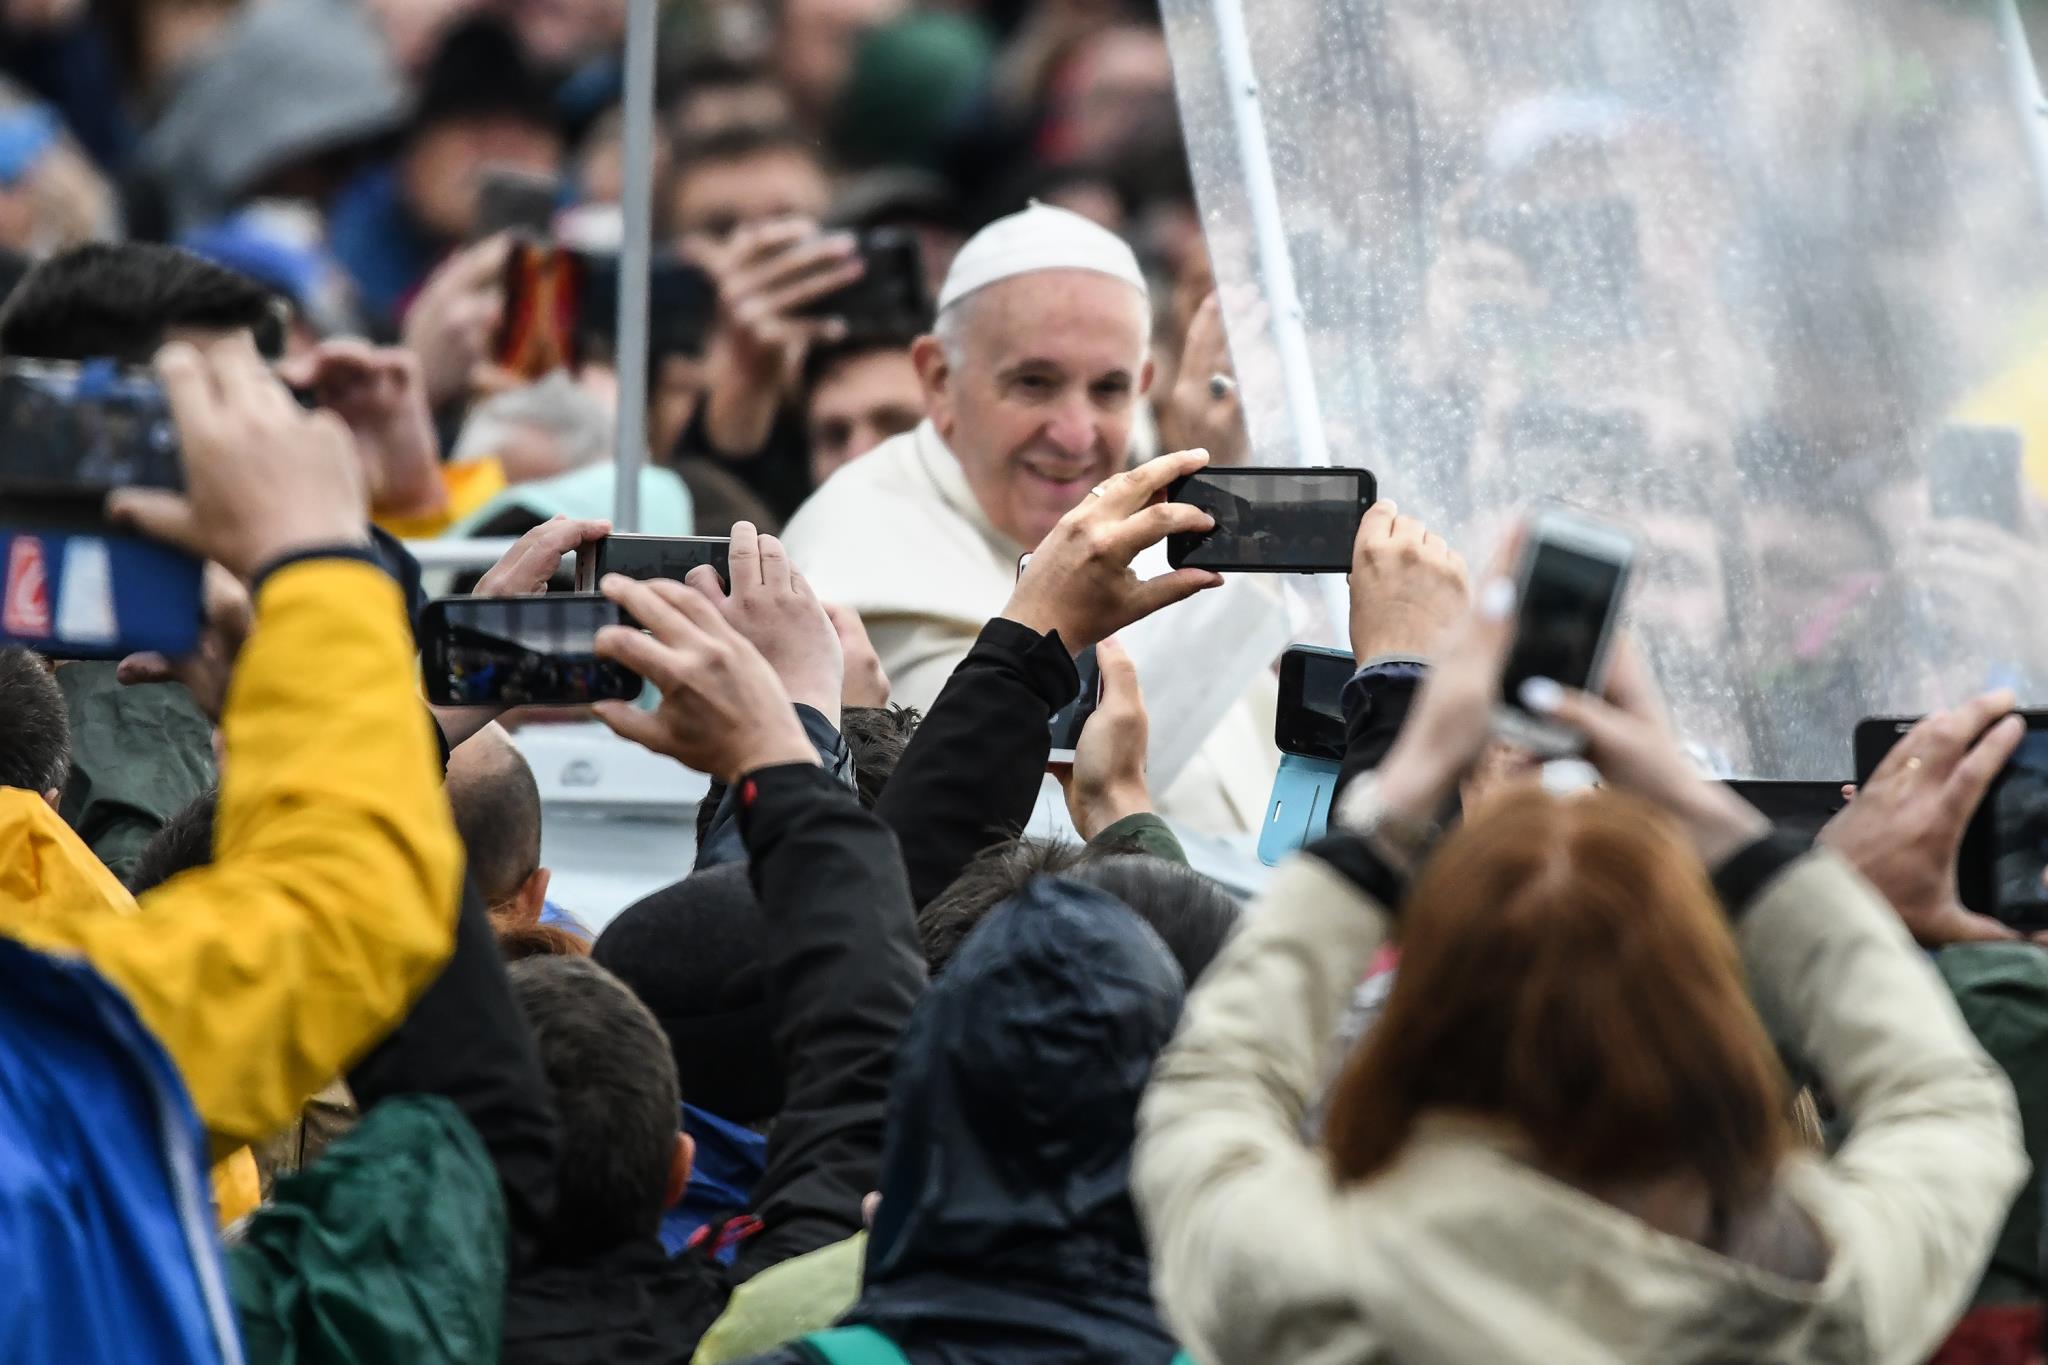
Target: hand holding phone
[1080, 583]
[1950, 820]
[649, 557]
[1107, 781]
[723, 711]
[1272, 520]
[1569, 588]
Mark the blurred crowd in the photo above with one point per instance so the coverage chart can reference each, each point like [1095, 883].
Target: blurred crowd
[302, 1060]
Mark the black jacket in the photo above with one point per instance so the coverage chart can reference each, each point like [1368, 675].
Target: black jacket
[1006, 1234]
[844, 973]
[972, 772]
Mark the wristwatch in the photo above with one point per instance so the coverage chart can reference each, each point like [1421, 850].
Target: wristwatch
[1401, 841]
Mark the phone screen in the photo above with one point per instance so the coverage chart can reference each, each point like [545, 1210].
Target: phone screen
[513, 200]
[1310, 721]
[1273, 520]
[1566, 602]
[520, 651]
[1068, 721]
[2019, 835]
[83, 430]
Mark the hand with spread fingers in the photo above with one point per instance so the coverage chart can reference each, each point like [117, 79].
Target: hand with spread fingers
[723, 711]
[381, 393]
[1904, 831]
[774, 609]
[867, 683]
[1080, 582]
[1408, 586]
[263, 477]
[1108, 780]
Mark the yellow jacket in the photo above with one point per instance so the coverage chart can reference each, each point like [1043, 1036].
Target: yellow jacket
[331, 900]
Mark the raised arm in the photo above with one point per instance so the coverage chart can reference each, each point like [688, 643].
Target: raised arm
[331, 899]
[846, 968]
[973, 770]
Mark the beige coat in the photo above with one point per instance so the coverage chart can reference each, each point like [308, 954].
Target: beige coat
[899, 536]
[1461, 1253]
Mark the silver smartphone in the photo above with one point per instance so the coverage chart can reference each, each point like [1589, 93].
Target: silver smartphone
[1572, 578]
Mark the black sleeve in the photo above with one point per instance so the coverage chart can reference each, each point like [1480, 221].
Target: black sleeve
[971, 773]
[843, 974]
[467, 1039]
[1376, 706]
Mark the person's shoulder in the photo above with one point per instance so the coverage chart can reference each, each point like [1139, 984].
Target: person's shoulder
[883, 493]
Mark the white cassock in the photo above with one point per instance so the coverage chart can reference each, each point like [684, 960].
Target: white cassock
[899, 536]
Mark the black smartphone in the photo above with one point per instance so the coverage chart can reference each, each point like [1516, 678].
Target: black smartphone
[2003, 868]
[890, 296]
[81, 431]
[1272, 520]
[1310, 719]
[1573, 575]
[645, 557]
[1973, 473]
[1068, 721]
[562, 308]
[510, 199]
[521, 651]
[1802, 807]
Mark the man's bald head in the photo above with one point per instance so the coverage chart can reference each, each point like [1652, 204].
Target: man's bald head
[497, 811]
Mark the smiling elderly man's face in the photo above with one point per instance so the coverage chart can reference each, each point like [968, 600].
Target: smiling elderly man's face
[1035, 387]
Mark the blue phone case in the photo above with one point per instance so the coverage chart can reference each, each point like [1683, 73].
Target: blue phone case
[79, 595]
[1300, 808]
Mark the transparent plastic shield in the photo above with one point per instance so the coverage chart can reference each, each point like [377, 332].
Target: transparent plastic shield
[1767, 281]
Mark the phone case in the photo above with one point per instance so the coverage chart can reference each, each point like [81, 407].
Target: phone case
[1299, 810]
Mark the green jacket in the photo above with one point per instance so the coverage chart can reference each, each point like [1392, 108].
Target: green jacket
[139, 755]
[390, 1247]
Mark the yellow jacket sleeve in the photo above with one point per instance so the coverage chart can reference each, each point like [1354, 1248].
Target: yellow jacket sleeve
[331, 900]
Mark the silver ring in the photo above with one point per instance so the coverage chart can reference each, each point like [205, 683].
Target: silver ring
[1096, 491]
[1221, 386]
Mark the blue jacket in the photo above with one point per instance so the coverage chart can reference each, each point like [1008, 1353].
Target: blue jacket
[730, 1159]
[106, 1224]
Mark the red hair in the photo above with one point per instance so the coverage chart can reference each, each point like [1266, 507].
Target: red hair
[1566, 967]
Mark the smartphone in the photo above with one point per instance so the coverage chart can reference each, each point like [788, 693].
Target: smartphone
[521, 651]
[645, 557]
[561, 308]
[510, 199]
[1802, 807]
[81, 431]
[890, 296]
[1272, 520]
[70, 591]
[1973, 473]
[1298, 811]
[1068, 722]
[2003, 867]
[1573, 575]
[1310, 720]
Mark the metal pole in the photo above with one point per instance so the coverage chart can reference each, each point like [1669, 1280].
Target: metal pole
[635, 261]
[2025, 82]
[1269, 234]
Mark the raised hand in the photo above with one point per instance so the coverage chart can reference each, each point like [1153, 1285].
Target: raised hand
[380, 391]
[774, 609]
[450, 325]
[867, 684]
[1080, 581]
[263, 477]
[723, 711]
[755, 355]
[1108, 780]
[1408, 586]
[535, 557]
[1905, 828]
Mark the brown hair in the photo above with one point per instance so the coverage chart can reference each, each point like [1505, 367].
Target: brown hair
[1566, 967]
[516, 943]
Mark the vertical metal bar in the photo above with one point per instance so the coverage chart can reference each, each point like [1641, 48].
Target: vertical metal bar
[1269, 234]
[2025, 82]
[635, 258]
